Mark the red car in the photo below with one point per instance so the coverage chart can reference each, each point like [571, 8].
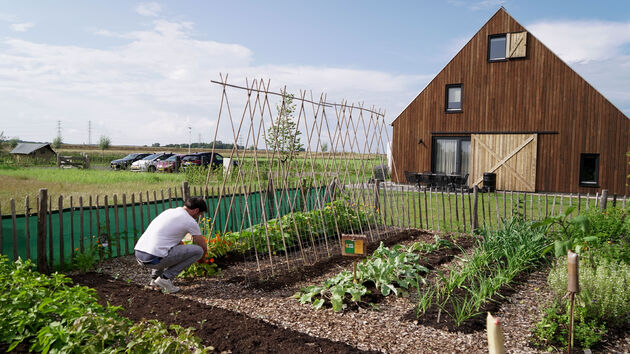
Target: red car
[170, 165]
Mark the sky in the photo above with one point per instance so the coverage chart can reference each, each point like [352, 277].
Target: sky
[141, 72]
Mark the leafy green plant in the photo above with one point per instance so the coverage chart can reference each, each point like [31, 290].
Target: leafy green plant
[196, 270]
[552, 331]
[590, 231]
[394, 270]
[86, 261]
[52, 316]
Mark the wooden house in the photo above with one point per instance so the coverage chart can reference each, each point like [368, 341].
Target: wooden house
[506, 104]
[36, 151]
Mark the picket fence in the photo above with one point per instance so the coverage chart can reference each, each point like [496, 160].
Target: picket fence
[52, 238]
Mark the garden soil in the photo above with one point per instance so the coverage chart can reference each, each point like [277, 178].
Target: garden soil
[222, 329]
[239, 312]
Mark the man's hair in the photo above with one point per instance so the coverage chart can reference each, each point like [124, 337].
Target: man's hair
[196, 202]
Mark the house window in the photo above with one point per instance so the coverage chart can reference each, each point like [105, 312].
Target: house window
[451, 155]
[454, 98]
[589, 170]
[497, 47]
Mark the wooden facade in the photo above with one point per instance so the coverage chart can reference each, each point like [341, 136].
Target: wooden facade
[537, 95]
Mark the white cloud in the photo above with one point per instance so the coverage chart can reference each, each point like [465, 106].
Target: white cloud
[141, 92]
[150, 9]
[583, 41]
[21, 27]
[478, 5]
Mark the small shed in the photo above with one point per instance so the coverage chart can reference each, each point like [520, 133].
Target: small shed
[33, 151]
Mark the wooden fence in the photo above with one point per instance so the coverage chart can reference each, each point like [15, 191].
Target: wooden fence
[463, 211]
[73, 161]
[53, 237]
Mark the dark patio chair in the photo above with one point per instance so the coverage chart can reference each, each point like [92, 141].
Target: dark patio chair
[424, 179]
[411, 177]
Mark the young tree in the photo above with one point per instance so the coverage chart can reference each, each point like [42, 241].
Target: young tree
[103, 143]
[283, 135]
[57, 141]
[2, 139]
[324, 147]
[13, 142]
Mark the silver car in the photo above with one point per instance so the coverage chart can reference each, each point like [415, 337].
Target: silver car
[148, 164]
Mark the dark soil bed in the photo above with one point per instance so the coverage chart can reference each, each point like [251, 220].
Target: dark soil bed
[222, 329]
[287, 278]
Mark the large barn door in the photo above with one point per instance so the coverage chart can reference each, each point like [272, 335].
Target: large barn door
[511, 156]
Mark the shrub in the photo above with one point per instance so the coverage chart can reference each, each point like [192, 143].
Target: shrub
[603, 289]
[603, 301]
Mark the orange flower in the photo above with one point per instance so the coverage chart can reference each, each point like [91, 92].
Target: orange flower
[76, 249]
[211, 260]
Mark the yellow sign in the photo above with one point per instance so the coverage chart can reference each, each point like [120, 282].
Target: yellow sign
[353, 245]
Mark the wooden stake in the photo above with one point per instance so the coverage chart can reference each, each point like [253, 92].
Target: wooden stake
[61, 238]
[14, 222]
[81, 223]
[27, 233]
[42, 206]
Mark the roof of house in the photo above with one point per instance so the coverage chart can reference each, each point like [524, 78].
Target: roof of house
[27, 148]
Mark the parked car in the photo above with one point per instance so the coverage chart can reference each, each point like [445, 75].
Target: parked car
[125, 162]
[172, 164]
[148, 163]
[204, 159]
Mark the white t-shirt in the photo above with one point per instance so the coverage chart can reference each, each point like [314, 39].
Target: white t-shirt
[166, 231]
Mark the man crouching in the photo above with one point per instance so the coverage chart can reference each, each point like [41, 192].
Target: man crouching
[160, 248]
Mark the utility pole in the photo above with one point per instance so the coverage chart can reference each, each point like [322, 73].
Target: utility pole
[89, 132]
[59, 128]
[189, 137]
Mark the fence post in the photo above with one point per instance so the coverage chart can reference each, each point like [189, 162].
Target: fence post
[185, 191]
[602, 203]
[473, 217]
[42, 207]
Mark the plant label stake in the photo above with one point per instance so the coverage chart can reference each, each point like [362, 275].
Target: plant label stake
[353, 246]
[495, 335]
[573, 287]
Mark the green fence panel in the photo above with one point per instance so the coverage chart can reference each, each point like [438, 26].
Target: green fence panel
[243, 215]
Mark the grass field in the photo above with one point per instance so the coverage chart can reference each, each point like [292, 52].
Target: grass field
[19, 181]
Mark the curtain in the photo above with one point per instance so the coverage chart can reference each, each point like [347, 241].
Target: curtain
[465, 157]
[445, 156]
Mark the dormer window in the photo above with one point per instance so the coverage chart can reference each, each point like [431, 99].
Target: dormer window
[454, 98]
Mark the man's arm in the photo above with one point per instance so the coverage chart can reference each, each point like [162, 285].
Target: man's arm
[198, 240]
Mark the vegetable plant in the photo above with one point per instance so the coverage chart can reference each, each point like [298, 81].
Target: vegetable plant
[53, 316]
[461, 290]
[394, 270]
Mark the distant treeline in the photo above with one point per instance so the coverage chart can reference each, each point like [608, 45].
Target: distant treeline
[218, 145]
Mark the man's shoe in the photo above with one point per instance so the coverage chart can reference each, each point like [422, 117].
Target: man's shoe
[166, 285]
